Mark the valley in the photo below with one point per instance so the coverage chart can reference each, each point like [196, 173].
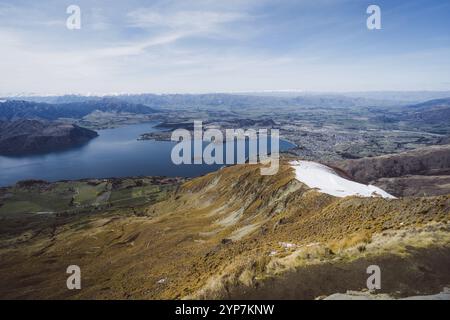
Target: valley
[323, 127]
[196, 151]
[328, 129]
[36, 197]
[362, 185]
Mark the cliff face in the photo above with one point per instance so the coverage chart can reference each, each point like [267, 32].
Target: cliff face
[32, 136]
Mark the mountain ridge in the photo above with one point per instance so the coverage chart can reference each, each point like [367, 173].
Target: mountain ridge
[20, 109]
[228, 233]
[24, 136]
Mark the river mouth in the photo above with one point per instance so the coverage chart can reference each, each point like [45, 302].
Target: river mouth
[115, 152]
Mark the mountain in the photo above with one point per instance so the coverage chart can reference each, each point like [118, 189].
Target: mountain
[229, 234]
[407, 97]
[33, 136]
[423, 171]
[17, 109]
[227, 100]
[433, 115]
[431, 104]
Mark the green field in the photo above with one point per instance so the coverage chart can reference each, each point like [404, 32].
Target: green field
[38, 197]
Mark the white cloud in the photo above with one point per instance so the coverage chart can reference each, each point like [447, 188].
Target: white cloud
[200, 46]
[137, 47]
[98, 20]
[177, 25]
[199, 21]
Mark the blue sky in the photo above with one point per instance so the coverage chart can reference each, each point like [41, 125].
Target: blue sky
[223, 46]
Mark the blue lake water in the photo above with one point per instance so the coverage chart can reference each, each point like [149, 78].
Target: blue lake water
[114, 153]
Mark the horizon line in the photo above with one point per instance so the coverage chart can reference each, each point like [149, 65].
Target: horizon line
[109, 94]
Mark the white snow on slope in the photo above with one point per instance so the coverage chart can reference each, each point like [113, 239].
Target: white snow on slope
[319, 176]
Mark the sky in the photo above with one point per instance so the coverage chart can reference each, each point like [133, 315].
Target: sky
[198, 46]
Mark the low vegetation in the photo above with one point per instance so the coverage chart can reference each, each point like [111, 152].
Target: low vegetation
[228, 234]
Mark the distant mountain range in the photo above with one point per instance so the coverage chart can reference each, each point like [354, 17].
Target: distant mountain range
[431, 116]
[79, 106]
[434, 113]
[20, 109]
[223, 99]
[383, 97]
[436, 103]
[33, 136]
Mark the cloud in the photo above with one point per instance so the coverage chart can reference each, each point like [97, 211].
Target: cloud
[27, 16]
[209, 45]
[137, 47]
[187, 23]
[196, 20]
[99, 22]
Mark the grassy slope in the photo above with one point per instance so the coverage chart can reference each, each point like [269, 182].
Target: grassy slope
[222, 235]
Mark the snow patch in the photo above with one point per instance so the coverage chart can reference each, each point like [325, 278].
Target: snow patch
[319, 176]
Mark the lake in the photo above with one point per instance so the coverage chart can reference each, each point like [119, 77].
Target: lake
[114, 153]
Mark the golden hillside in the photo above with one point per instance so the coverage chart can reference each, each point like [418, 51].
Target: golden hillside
[234, 234]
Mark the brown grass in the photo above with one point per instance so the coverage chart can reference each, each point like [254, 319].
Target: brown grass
[180, 239]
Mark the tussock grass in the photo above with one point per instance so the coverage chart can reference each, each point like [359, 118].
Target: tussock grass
[179, 238]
